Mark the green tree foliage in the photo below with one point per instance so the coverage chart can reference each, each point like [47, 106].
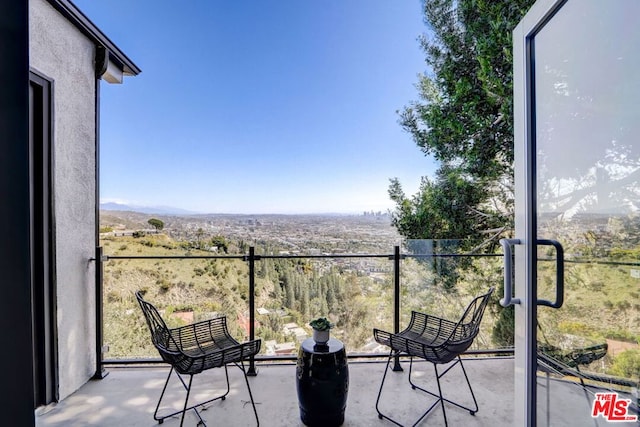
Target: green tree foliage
[274, 322]
[433, 213]
[156, 223]
[220, 242]
[627, 364]
[503, 333]
[464, 119]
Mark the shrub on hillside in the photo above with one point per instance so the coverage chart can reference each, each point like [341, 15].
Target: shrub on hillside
[626, 364]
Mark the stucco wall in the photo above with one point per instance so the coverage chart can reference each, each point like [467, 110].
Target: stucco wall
[60, 52]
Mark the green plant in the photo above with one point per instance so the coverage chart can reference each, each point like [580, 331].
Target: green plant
[156, 223]
[321, 324]
[627, 364]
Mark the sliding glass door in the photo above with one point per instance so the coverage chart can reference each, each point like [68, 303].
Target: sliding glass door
[577, 247]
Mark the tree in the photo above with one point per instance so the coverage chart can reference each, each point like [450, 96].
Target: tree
[464, 119]
[220, 242]
[156, 223]
[433, 212]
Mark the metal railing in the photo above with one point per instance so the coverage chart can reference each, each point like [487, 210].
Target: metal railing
[251, 258]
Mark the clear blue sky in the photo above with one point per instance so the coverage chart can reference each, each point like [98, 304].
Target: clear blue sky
[253, 106]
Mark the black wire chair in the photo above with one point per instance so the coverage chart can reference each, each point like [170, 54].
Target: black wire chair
[193, 349]
[582, 351]
[438, 341]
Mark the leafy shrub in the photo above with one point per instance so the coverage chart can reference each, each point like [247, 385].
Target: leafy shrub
[596, 285]
[503, 330]
[574, 328]
[621, 335]
[626, 364]
[623, 305]
[164, 284]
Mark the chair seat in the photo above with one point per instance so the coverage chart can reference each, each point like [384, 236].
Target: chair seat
[428, 337]
[202, 345]
[195, 360]
[207, 347]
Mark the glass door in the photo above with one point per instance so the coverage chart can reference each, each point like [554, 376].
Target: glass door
[577, 252]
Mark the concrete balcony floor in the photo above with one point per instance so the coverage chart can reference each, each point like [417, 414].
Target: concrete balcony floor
[128, 396]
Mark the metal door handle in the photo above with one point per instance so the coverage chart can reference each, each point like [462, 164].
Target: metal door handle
[508, 269]
[559, 274]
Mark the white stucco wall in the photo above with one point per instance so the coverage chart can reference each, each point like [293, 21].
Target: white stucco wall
[60, 52]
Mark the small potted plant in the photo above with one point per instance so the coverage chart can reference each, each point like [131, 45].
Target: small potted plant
[321, 327]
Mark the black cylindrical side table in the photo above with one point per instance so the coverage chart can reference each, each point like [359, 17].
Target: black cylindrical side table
[323, 382]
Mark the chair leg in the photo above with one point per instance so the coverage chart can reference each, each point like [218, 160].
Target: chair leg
[187, 388]
[438, 396]
[473, 396]
[155, 414]
[244, 372]
[384, 376]
[441, 398]
[186, 401]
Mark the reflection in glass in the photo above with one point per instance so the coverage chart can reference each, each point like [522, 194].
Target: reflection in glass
[587, 147]
[587, 118]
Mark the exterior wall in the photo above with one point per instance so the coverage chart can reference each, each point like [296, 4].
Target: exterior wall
[59, 51]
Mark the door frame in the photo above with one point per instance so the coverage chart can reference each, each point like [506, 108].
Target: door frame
[43, 272]
[525, 334]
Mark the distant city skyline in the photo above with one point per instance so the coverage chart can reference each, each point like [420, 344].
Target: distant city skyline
[260, 107]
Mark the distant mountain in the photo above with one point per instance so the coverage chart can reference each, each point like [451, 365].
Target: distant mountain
[158, 210]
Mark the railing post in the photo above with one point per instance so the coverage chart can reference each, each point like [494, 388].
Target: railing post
[396, 301]
[100, 371]
[252, 309]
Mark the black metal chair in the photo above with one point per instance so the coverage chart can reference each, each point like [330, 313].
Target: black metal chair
[195, 348]
[438, 341]
[583, 352]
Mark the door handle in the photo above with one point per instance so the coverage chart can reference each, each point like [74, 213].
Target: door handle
[508, 270]
[559, 274]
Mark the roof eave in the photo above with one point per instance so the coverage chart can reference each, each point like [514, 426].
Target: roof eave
[84, 24]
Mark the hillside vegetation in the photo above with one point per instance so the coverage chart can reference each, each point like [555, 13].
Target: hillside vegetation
[355, 293]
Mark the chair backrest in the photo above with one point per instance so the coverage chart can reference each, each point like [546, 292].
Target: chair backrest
[469, 323]
[160, 333]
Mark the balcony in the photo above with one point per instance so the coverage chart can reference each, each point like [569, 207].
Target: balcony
[127, 397]
[128, 394]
